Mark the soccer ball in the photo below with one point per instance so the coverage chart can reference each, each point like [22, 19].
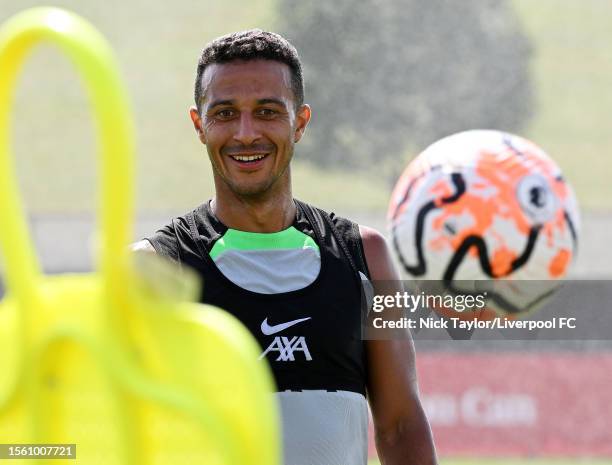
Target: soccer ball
[486, 205]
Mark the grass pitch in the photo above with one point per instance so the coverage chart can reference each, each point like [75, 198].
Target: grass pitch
[572, 71]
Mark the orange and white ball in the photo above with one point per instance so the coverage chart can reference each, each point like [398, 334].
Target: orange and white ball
[481, 205]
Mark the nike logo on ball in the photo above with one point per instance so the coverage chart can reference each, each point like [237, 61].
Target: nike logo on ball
[273, 329]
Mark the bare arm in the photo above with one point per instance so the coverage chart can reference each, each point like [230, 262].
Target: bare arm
[402, 431]
[142, 246]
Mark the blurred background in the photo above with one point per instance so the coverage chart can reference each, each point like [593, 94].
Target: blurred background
[385, 79]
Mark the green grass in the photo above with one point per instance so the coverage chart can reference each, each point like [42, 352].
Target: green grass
[157, 47]
[572, 72]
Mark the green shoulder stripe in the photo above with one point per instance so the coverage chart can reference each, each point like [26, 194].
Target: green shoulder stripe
[289, 238]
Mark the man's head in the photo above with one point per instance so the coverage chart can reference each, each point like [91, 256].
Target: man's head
[249, 111]
[253, 44]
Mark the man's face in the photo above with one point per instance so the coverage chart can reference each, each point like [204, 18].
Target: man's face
[249, 123]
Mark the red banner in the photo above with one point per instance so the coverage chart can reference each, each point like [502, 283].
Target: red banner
[517, 403]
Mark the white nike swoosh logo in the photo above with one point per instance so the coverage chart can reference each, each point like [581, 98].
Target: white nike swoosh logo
[273, 329]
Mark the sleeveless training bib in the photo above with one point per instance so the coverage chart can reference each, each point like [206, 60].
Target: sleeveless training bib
[299, 293]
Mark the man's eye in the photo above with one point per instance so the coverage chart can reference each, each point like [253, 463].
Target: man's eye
[266, 112]
[225, 113]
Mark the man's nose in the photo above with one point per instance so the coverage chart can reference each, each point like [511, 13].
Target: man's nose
[248, 131]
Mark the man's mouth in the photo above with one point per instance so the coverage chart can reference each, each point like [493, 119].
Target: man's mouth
[249, 158]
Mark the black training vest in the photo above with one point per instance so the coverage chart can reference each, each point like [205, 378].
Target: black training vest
[327, 351]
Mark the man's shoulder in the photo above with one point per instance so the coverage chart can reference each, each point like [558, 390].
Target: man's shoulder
[377, 254]
[142, 245]
[354, 229]
[372, 238]
[366, 244]
[183, 223]
[350, 233]
[344, 224]
[177, 234]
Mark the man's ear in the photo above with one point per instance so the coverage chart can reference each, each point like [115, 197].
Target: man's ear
[302, 117]
[197, 124]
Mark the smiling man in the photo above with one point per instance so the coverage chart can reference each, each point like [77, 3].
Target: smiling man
[290, 272]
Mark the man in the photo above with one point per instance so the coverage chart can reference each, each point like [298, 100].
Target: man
[290, 272]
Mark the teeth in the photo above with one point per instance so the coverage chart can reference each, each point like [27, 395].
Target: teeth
[247, 158]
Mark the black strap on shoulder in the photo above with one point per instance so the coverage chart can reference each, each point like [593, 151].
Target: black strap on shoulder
[310, 213]
[179, 259]
[359, 248]
[195, 234]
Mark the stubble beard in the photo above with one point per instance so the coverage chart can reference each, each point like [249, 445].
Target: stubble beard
[257, 191]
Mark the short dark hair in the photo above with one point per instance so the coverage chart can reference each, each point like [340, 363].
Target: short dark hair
[253, 44]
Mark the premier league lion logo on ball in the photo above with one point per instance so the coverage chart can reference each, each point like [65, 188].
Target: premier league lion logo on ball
[486, 205]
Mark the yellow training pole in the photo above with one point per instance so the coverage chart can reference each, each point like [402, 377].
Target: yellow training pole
[97, 356]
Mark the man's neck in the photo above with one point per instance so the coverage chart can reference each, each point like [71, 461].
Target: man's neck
[263, 215]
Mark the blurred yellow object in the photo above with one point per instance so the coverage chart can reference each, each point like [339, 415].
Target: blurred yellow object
[130, 376]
